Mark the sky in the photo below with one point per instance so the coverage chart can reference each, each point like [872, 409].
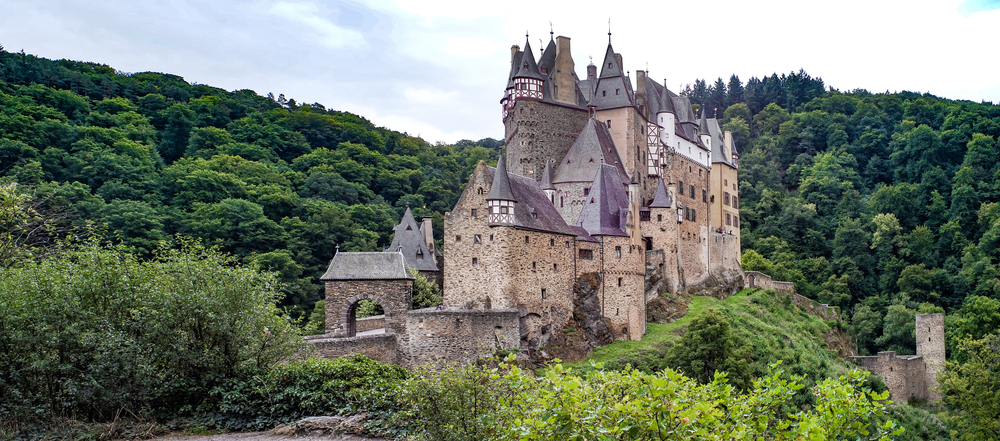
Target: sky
[437, 68]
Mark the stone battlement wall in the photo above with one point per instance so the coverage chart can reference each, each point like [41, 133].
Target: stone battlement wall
[756, 279]
[903, 375]
[370, 323]
[458, 335]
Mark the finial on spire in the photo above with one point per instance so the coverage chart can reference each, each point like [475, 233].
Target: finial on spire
[552, 31]
[338, 249]
[609, 30]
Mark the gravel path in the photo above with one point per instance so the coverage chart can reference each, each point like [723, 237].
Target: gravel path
[264, 436]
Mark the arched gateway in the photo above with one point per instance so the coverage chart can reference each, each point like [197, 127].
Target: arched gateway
[380, 277]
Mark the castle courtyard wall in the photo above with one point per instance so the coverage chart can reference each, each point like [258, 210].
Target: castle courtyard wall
[623, 286]
[903, 375]
[462, 336]
[381, 347]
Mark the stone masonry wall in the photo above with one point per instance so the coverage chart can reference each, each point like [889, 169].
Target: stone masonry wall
[662, 229]
[395, 296]
[930, 346]
[381, 347]
[693, 239]
[570, 200]
[371, 323]
[458, 335]
[724, 252]
[622, 291]
[535, 131]
[903, 375]
[756, 279]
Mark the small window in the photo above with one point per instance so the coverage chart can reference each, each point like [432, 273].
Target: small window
[534, 265]
[609, 123]
[480, 191]
[699, 170]
[527, 239]
[504, 210]
[555, 267]
[644, 216]
[458, 238]
[543, 293]
[618, 252]
[736, 203]
[729, 219]
[420, 254]
[587, 254]
[725, 182]
[659, 218]
[725, 197]
[604, 93]
[552, 242]
[474, 212]
[475, 261]
[586, 191]
[734, 186]
[704, 195]
[560, 201]
[680, 185]
[712, 198]
[618, 91]
[567, 244]
[694, 215]
[477, 239]
[692, 191]
[736, 221]
[619, 281]
[491, 238]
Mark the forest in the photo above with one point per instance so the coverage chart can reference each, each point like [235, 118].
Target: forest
[143, 157]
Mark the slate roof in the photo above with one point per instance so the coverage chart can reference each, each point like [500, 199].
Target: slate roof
[500, 189]
[613, 89]
[526, 67]
[367, 266]
[533, 210]
[546, 183]
[703, 124]
[548, 58]
[718, 141]
[605, 209]
[592, 147]
[408, 238]
[662, 198]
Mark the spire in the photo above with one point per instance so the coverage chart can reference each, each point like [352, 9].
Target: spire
[501, 183]
[527, 68]
[703, 125]
[666, 103]
[547, 175]
[662, 198]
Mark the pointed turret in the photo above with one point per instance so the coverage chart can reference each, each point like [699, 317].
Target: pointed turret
[662, 198]
[546, 183]
[501, 200]
[613, 89]
[666, 102]
[703, 131]
[410, 239]
[527, 67]
[606, 207]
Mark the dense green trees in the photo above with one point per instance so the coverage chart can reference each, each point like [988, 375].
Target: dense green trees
[146, 156]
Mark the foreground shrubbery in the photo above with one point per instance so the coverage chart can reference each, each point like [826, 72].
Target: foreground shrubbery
[91, 333]
[479, 402]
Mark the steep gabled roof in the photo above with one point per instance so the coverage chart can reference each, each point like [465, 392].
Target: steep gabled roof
[500, 189]
[613, 89]
[718, 140]
[605, 209]
[408, 238]
[527, 68]
[548, 58]
[533, 210]
[592, 147]
[546, 183]
[367, 266]
[662, 198]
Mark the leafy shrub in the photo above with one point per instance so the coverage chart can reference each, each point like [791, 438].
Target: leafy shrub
[94, 331]
[288, 392]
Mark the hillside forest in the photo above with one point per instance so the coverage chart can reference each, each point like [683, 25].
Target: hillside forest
[883, 204]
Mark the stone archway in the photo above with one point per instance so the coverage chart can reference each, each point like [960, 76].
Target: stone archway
[348, 319]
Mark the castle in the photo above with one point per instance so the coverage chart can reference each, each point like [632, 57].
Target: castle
[913, 376]
[601, 181]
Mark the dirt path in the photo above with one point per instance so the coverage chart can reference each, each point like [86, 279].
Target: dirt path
[264, 436]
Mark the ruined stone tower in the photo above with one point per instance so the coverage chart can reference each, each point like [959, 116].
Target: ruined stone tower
[930, 345]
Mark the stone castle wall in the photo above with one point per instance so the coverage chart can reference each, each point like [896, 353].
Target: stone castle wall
[622, 287]
[724, 252]
[370, 323]
[903, 375]
[757, 279]
[458, 335]
[692, 240]
[536, 131]
[570, 200]
[382, 347]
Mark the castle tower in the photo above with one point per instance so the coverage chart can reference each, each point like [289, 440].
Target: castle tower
[546, 184]
[930, 345]
[703, 133]
[501, 200]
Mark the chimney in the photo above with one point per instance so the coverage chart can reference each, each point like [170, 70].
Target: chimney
[727, 143]
[513, 52]
[563, 82]
[591, 71]
[640, 93]
[428, 233]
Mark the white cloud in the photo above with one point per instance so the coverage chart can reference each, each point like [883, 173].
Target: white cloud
[429, 96]
[308, 14]
[477, 47]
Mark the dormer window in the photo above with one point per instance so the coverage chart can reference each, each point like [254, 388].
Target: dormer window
[420, 254]
[618, 91]
[604, 93]
[545, 70]
[525, 65]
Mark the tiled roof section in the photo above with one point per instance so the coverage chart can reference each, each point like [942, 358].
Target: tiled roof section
[534, 210]
[718, 140]
[548, 58]
[666, 101]
[683, 107]
[367, 266]
[408, 238]
[546, 183]
[605, 209]
[610, 67]
[592, 147]
[514, 64]
[527, 68]
[662, 198]
[500, 189]
[613, 89]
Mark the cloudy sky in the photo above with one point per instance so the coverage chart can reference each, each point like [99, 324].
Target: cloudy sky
[437, 68]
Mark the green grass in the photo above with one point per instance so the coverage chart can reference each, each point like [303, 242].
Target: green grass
[767, 328]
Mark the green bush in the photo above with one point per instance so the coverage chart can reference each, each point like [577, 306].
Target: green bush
[93, 332]
[288, 392]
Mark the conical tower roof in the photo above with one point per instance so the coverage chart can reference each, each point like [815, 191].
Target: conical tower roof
[408, 238]
[500, 190]
[662, 198]
[527, 68]
[546, 183]
[703, 125]
[666, 103]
